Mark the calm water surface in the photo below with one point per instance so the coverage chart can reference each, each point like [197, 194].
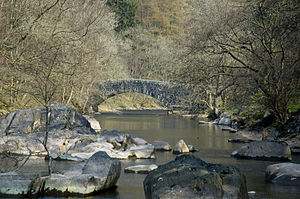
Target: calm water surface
[209, 139]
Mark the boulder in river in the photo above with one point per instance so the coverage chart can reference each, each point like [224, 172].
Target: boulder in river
[100, 172]
[264, 150]
[14, 184]
[181, 147]
[93, 123]
[191, 177]
[142, 151]
[161, 146]
[33, 120]
[70, 136]
[116, 144]
[283, 174]
[224, 119]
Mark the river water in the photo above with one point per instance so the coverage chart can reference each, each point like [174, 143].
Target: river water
[209, 139]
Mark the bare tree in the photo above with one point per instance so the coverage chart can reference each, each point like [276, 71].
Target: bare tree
[56, 50]
[252, 48]
[74, 40]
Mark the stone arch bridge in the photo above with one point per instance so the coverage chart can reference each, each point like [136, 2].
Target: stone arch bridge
[170, 95]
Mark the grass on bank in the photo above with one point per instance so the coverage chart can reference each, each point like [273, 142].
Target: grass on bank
[130, 101]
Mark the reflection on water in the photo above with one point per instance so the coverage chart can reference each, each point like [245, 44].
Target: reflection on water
[209, 139]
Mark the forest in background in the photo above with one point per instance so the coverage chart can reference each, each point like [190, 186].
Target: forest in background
[239, 52]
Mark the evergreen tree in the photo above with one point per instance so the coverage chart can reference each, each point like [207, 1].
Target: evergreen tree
[125, 11]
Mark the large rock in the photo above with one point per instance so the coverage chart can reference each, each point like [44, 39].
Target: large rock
[224, 119]
[264, 150]
[100, 172]
[142, 151]
[70, 137]
[125, 143]
[33, 120]
[118, 139]
[181, 147]
[190, 177]
[69, 145]
[59, 142]
[162, 146]
[13, 184]
[283, 174]
[93, 123]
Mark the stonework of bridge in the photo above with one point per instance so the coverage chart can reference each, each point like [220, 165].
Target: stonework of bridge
[169, 94]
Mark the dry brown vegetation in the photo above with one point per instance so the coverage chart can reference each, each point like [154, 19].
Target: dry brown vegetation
[239, 52]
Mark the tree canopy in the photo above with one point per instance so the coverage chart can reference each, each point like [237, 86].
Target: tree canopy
[237, 52]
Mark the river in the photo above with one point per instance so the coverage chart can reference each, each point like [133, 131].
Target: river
[209, 139]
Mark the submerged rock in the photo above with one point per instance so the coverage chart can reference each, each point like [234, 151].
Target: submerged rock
[283, 174]
[203, 122]
[139, 141]
[144, 169]
[227, 128]
[264, 150]
[192, 148]
[190, 177]
[162, 146]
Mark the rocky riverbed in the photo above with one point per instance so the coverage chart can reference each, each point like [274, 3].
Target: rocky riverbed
[71, 138]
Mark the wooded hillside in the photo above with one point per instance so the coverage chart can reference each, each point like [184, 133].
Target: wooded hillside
[241, 52]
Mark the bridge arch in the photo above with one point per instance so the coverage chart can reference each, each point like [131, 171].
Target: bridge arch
[169, 94]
